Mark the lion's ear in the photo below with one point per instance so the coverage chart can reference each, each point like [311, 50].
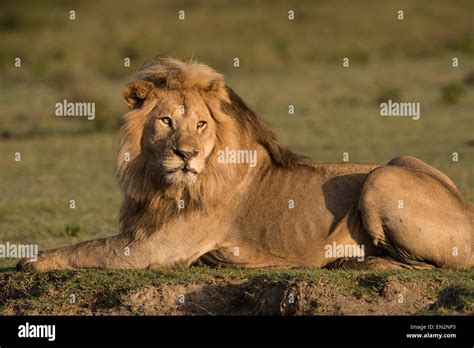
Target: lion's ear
[135, 93]
[217, 89]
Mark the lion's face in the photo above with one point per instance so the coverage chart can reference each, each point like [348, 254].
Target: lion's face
[180, 134]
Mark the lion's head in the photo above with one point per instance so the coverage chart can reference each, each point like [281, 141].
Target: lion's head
[179, 134]
[181, 115]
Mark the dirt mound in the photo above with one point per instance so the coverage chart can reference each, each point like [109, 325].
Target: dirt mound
[202, 291]
[395, 297]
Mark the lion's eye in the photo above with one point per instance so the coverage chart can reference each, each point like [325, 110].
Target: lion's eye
[201, 124]
[166, 121]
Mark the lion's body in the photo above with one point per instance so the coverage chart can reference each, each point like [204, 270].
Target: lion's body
[183, 205]
[286, 218]
[326, 209]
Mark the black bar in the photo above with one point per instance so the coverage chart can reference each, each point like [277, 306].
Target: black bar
[241, 330]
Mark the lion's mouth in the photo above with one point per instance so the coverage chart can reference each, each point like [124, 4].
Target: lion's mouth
[187, 169]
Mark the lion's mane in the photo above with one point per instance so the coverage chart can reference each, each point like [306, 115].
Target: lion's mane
[149, 201]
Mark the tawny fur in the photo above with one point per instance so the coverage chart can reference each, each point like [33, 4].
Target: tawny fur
[283, 212]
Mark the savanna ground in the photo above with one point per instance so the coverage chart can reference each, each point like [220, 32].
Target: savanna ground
[282, 62]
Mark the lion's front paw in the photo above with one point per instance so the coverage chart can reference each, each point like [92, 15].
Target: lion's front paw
[32, 264]
[27, 264]
[47, 260]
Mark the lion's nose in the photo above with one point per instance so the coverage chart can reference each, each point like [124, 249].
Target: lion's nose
[186, 154]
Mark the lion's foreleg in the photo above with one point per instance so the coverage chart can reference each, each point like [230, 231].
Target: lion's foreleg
[113, 252]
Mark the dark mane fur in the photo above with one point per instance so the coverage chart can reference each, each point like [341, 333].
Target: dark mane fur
[251, 123]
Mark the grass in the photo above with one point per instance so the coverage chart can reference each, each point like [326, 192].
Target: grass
[50, 293]
[282, 62]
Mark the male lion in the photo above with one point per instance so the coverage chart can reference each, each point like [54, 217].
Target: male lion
[183, 205]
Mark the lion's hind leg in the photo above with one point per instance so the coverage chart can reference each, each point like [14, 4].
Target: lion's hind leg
[419, 165]
[416, 164]
[415, 218]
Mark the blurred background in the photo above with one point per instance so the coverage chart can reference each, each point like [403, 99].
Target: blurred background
[282, 62]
